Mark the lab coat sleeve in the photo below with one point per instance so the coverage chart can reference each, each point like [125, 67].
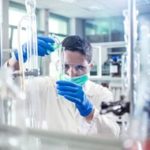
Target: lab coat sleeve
[103, 125]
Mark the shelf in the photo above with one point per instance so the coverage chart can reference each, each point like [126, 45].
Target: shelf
[111, 44]
[106, 78]
[116, 53]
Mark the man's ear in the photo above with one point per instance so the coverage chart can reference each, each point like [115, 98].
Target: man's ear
[91, 65]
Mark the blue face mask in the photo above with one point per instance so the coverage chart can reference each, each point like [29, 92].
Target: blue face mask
[80, 80]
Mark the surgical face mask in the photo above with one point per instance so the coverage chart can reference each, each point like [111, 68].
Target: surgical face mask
[80, 80]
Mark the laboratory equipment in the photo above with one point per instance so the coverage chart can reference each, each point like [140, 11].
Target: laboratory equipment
[14, 138]
[1, 21]
[29, 22]
[130, 36]
[118, 108]
[29, 70]
[106, 68]
[56, 66]
[30, 81]
[61, 67]
[11, 100]
[115, 66]
[139, 131]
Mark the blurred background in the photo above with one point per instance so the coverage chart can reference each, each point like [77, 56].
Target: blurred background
[101, 22]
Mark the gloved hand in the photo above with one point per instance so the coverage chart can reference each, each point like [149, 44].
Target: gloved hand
[75, 94]
[46, 45]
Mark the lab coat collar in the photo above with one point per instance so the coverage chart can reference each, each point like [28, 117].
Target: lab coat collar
[88, 88]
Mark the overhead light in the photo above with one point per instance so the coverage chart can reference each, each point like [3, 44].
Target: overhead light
[68, 1]
[94, 8]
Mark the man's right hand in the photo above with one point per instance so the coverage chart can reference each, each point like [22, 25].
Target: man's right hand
[46, 45]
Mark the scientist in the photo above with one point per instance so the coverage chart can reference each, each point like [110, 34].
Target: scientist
[85, 94]
[76, 87]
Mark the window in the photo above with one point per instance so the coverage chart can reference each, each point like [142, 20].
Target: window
[90, 29]
[18, 11]
[58, 25]
[104, 29]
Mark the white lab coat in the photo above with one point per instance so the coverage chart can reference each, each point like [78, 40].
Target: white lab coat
[48, 110]
[60, 114]
[101, 124]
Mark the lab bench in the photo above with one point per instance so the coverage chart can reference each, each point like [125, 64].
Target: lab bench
[13, 138]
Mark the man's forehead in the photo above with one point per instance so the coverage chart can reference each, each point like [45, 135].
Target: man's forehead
[74, 58]
[75, 62]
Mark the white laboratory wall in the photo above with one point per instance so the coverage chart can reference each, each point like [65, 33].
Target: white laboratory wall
[77, 27]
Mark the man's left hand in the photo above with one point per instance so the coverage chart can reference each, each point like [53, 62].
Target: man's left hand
[75, 94]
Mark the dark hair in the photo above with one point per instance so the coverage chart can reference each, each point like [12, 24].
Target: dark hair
[77, 44]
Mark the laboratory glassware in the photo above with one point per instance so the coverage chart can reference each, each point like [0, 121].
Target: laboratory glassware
[11, 100]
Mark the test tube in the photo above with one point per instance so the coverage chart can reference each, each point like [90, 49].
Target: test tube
[30, 68]
[32, 55]
[56, 66]
[28, 22]
[61, 64]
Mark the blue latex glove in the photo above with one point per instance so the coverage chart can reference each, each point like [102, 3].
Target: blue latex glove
[75, 94]
[46, 45]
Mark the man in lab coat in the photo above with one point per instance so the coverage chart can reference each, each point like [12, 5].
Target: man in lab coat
[77, 107]
[85, 94]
